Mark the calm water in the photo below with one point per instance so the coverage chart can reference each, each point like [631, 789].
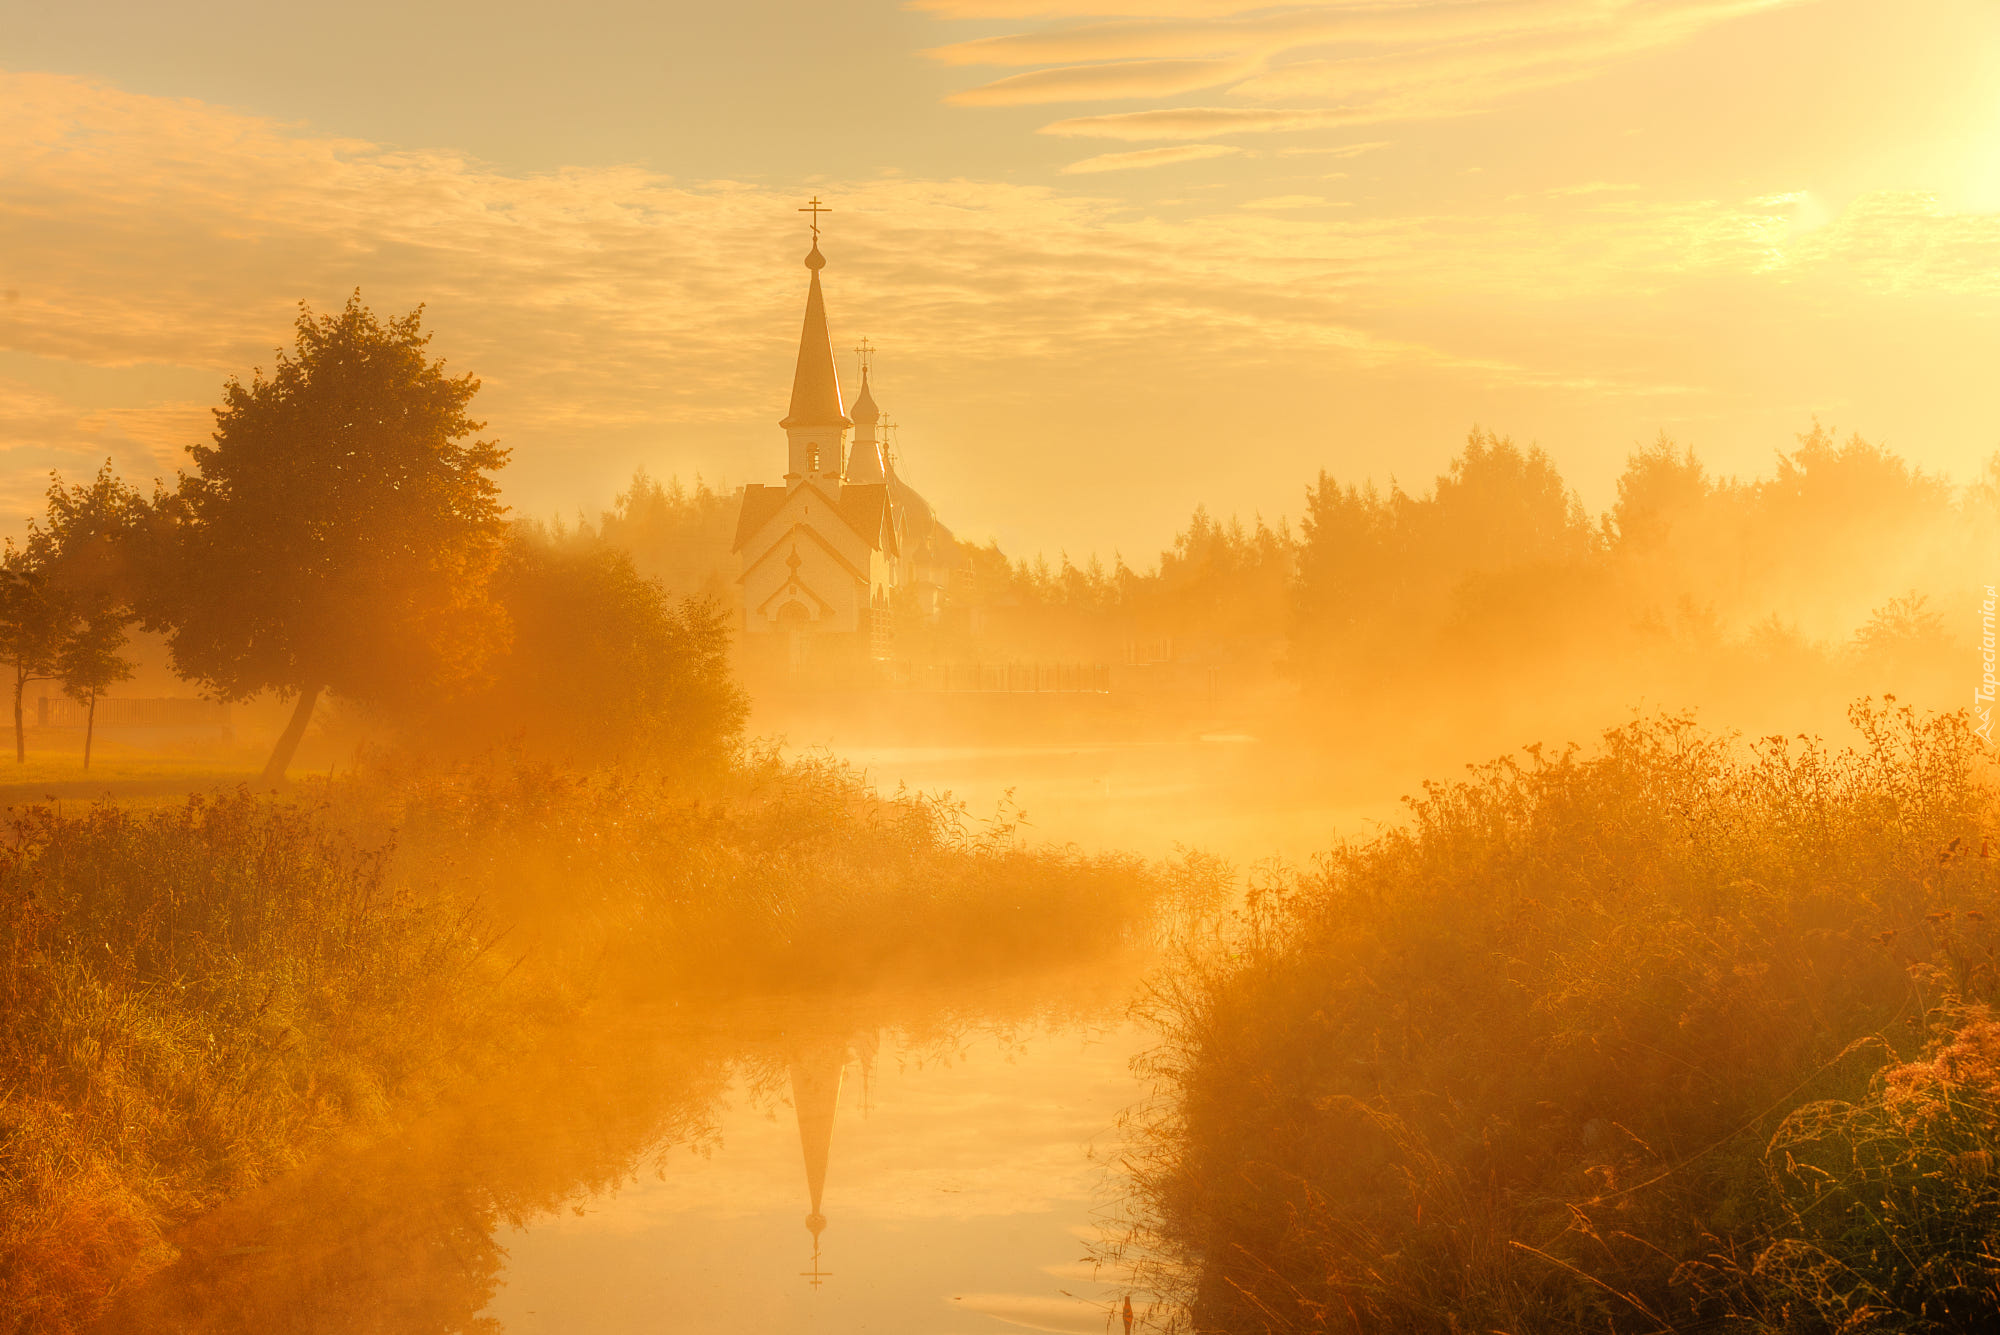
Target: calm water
[936, 1162]
[1228, 793]
[956, 1192]
[929, 1162]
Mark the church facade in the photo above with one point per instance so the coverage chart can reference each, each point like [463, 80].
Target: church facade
[831, 556]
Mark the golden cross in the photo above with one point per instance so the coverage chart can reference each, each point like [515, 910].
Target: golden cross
[866, 350]
[815, 209]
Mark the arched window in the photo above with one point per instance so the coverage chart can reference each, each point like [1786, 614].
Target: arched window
[812, 458]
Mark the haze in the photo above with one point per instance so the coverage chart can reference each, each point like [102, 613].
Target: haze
[1147, 256]
[953, 667]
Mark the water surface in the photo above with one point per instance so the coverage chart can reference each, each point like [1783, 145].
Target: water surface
[934, 1161]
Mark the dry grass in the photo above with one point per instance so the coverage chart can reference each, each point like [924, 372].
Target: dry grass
[1520, 1065]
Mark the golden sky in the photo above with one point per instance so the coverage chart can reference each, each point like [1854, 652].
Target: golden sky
[1119, 256]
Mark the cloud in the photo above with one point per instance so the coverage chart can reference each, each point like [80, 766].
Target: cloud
[1093, 83]
[1200, 122]
[1149, 157]
[1057, 9]
[1269, 33]
[1337, 151]
[1374, 63]
[161, 245]
[1278, 202]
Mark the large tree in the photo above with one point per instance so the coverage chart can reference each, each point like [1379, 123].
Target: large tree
[338, 534]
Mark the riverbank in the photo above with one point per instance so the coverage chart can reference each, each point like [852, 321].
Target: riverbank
[202, 997]
[647, 1157]
[1675, 1033]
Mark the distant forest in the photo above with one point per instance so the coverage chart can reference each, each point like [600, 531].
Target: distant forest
[1846, 570]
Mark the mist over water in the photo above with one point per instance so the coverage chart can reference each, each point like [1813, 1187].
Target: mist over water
[979, 666]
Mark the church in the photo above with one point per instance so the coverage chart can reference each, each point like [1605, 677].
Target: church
[834, 555]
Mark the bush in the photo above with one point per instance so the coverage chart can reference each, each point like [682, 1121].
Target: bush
[192, 998]
[1512, 1067]
[602, 664]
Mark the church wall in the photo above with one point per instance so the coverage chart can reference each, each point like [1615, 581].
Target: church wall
[831, 597]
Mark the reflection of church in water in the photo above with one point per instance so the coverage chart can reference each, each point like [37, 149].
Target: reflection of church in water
[817, 1067]
[834, 553]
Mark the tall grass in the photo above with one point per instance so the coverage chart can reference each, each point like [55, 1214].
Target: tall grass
[786, 875]
[1672, 1034]
[194, 996]
[198, 998]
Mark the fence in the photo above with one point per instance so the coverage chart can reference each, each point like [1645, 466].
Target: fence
[59, 711]
[1005, 678]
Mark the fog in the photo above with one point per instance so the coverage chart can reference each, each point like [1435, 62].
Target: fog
[983, 667]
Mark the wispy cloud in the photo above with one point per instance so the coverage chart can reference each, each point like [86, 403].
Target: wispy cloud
[164, 245]
[1328, 63]
[1274, 203]
[1200, 123]
[1058, 9]
[1149, 157]
[1334, 151]
[1098, 83]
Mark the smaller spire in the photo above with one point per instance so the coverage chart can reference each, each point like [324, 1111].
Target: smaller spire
[863, 409]
[864, 460]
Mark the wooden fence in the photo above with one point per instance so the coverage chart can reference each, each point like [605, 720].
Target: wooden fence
[59, 711]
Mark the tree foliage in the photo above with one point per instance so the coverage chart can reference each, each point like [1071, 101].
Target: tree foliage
[86, 544]
[339, 532]
[602, 662]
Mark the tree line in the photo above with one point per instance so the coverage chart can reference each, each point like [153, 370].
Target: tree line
[1493, 590]
[341, 535]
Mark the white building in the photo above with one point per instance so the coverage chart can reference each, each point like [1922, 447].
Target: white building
[834, 552]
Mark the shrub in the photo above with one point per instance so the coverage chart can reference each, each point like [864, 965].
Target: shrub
[602, 664]
[192, 998]
[1511, 1067]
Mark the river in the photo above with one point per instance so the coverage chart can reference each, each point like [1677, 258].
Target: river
[936, 1162]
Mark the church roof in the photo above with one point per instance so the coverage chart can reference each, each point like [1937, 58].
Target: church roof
[866, 508]
[815, 381]
[759, 504]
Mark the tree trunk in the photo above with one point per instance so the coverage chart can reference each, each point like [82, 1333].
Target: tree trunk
[20, 725]
[288, 741]
[89, 727]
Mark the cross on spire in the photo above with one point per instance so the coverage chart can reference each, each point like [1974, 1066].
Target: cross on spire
[866, 350]
[815, 208]
[815, 1276]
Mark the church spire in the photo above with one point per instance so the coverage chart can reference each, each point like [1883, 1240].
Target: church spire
[815, 382]
[864, 465]
[816, 1069]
